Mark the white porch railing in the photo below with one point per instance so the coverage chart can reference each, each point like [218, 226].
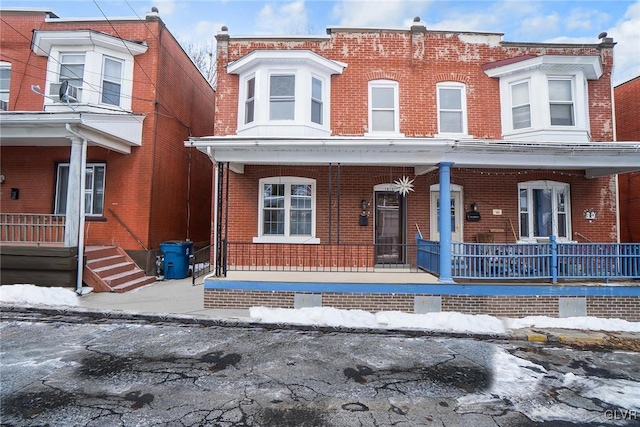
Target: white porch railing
[31, 228]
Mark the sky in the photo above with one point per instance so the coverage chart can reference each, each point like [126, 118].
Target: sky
[515, 380]
[195, 22]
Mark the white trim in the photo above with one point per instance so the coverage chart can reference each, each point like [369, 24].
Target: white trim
[539, 107]
[268, 58]
[545, 185]
[287, 237]
[45, 41]
[304, 69]
[590, 66]
[383, 83]
[462, 89]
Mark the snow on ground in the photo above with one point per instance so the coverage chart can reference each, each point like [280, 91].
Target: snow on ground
[32, 294]
[328, 316]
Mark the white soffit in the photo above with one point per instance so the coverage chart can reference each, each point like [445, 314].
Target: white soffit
[590, 65]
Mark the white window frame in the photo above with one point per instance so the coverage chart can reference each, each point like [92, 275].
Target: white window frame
[89, 190]
[288, 98]
[462, 88]
[570, 102]
[95, 46]
[538, 70]
[104, 79]
[514, 106]
[385, 84]
[286, 238]
[319, 101]
[5, 93]
[304, 65]
[248, 99]
[554, 186]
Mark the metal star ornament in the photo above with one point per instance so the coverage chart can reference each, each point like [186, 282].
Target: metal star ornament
[403, 185]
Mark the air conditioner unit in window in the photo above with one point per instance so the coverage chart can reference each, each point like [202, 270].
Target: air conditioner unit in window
[4, 105]
[68, 93]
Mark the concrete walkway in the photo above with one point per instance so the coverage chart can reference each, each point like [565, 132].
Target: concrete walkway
[162, 297]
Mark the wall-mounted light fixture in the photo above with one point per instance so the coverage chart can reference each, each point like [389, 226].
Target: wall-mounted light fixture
[2, 179]
[364, 216]
[474, 207]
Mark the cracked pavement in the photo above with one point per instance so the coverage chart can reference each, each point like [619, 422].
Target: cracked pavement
[65, 371]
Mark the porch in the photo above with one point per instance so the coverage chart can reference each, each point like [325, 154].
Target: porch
[470, 262]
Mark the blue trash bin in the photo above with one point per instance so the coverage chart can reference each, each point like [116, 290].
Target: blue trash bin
[176, 258]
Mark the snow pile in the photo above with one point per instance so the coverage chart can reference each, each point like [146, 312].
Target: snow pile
[443, 321]
[31, 294]
[315, 316]
[586, 322]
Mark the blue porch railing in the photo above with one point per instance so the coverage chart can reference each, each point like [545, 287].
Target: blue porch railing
[540, 261]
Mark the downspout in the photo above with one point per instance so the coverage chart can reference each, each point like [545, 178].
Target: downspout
[81, 216]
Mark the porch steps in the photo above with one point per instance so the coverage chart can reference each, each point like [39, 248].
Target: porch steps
[110, 269]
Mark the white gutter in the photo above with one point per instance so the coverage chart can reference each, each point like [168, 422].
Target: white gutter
[81, 216]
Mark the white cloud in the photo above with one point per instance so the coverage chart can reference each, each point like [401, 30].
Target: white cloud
[383, 14]
[165, 7]
[586, 20]
[283, 18]
[542, 24]
[626, 54]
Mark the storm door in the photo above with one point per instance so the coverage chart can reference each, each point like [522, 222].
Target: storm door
[389, 228]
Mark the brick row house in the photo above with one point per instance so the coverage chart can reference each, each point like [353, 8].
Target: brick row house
[334, 152]
[115, 98]
[627, 104]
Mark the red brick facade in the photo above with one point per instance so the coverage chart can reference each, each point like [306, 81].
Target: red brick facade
[627, 103]
[419, 61]
[162, 190]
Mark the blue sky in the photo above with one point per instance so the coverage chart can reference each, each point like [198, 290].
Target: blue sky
[197, 21]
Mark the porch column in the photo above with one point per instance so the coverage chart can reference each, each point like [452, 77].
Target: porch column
[444, 219]
[74, 192]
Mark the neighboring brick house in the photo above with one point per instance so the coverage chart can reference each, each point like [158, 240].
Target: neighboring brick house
[133, 96]
[627, 107]
[332, 151]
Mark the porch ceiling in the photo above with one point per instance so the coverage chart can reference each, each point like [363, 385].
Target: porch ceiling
[595, 158]
[117, 132]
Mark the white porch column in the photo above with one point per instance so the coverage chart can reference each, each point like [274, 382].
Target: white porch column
[74, 192]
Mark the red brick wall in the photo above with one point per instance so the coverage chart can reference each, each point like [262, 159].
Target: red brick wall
[488, 188]
[434, 57]
[162, 190]
[627, 101]
[418, 64]
[627, 308]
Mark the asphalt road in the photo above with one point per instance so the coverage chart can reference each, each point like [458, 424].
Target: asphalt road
[65, 371]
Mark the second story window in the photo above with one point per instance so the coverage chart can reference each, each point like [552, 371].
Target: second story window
[452, 114]
[250, 102]
[282, 97]
[561, 102]
[383, 106]
[72, 68]
[520, 106]
[111, 81]
[5, 80]
[316, 100]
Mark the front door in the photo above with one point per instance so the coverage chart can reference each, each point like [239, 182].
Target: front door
[389, 229]
[456, 215]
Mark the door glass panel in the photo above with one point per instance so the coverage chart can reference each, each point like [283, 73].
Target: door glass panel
[389, 226]
[542, 221]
